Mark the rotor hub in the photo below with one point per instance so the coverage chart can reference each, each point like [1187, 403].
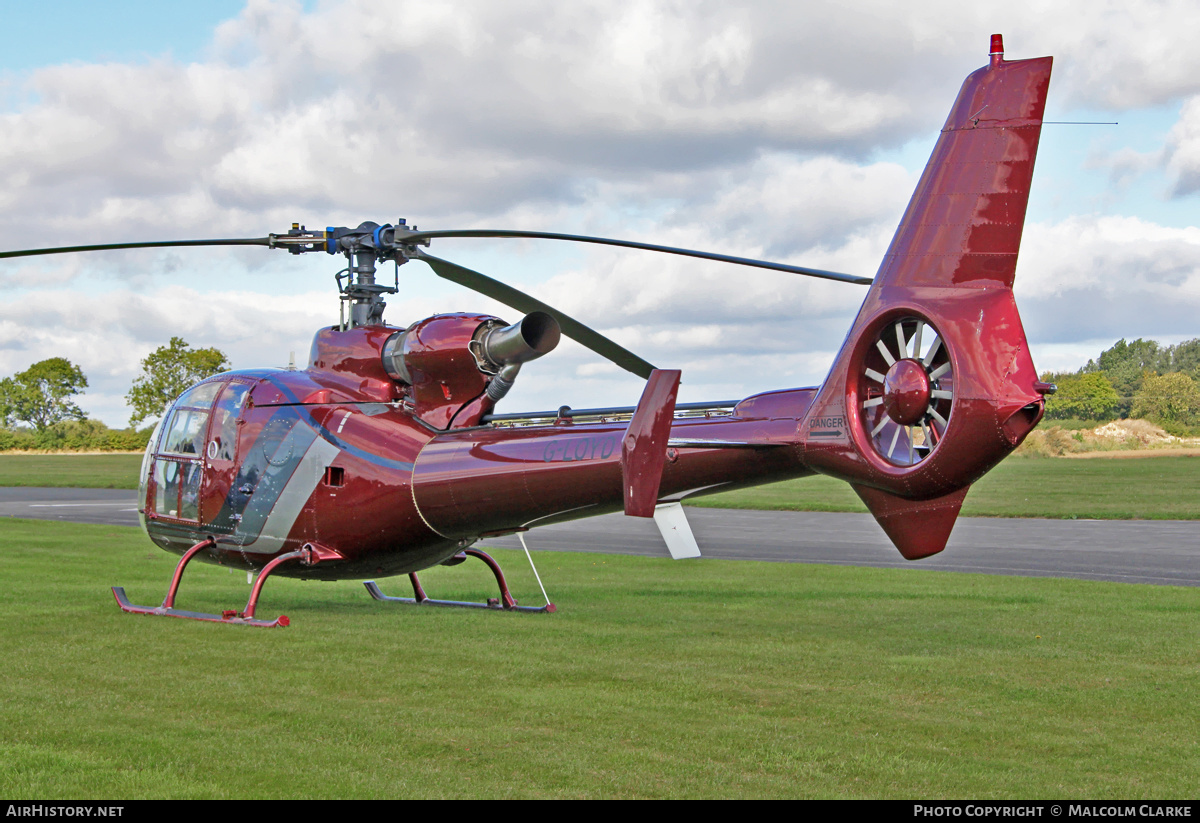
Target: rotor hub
[906, 392]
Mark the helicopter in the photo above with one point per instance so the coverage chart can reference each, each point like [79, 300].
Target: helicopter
[386, 456]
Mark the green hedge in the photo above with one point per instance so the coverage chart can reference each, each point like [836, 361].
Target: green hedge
[75, 435]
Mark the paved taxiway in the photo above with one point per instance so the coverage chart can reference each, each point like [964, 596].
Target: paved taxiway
[1165, 552]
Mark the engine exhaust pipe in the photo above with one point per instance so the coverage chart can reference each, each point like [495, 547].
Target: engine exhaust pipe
[535, 334]
[506, 349]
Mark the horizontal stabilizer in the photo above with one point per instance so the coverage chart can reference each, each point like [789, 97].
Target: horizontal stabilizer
[918, 528]
[676, 531]
[644, 447]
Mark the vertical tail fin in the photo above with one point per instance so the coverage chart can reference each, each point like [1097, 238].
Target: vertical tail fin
[934, 384]
[963, 225]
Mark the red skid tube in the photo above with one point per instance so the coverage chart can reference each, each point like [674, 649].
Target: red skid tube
[505, 602]
[308, 555]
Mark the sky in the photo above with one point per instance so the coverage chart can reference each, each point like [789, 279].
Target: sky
[786, 131]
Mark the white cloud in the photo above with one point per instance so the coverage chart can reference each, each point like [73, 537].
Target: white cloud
[1123, 55]
[1183, 148]
[1092, 277]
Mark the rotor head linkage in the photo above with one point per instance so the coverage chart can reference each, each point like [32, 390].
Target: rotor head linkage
[363, 246]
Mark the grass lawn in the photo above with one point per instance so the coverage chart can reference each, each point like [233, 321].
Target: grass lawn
[656, 678]
[82, 471]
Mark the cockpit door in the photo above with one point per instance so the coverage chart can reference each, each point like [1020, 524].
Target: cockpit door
[220, 459]
[178, 464]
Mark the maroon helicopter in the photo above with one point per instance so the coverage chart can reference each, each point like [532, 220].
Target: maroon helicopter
[385, 455]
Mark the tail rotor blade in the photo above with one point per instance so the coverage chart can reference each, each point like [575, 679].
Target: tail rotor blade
[522, 302]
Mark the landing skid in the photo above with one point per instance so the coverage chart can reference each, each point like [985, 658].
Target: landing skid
[308, 555]
[224, 617]
[505, 602]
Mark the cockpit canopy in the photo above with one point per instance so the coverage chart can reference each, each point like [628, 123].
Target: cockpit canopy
[187, 428]
[201, 423]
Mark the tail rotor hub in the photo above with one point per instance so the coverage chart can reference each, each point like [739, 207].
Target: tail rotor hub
[905, 391]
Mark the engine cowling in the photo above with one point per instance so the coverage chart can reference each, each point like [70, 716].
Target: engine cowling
[459, 365]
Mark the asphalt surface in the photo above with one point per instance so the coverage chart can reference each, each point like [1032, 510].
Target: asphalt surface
[1164, 552]
[114, 507]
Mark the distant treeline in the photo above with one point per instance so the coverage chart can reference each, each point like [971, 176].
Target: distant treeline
[37, 412]
[75, 435]
[1141, 379]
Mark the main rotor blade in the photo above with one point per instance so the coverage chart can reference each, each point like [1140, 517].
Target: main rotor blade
[160, 244]
[630, 244]
[522, 302]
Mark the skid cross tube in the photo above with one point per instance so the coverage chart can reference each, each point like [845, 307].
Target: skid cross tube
[305, 555]
[505, 602]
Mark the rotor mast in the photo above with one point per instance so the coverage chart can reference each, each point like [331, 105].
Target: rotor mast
[364, 246]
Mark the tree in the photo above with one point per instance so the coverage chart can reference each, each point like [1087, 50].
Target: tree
[40, 395]
[1086, 396]
[167, 372]
[1185, 357]
[1140, 355]
[1126, 365]
[1172, 398]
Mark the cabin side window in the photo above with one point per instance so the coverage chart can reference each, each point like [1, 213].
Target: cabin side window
[189, 420]
[225, 418]
[177, 468]
[166, 487]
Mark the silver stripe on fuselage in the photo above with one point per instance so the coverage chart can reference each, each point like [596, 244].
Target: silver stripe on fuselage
[292, 499]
